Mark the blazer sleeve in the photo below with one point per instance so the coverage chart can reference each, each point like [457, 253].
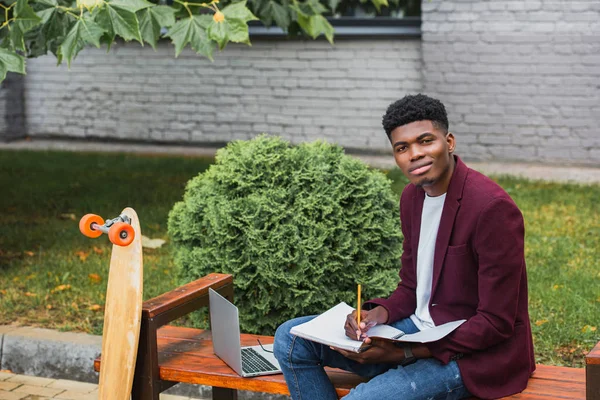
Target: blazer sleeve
[499, 246]
[403, 301]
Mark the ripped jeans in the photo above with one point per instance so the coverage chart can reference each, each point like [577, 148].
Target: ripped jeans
[302, 363]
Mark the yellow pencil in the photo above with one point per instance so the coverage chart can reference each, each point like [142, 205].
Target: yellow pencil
[358, 307]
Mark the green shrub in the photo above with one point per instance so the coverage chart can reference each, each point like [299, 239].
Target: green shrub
[297, 226]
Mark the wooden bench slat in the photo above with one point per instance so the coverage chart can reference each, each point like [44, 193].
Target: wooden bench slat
[214, 372]
[557, 389]
[186, 355]
[564, 374]
[169, 354]
[185, 293]
[530, 396]
[180, 332]
[593, 357]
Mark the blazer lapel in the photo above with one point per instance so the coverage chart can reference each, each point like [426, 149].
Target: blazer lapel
[451, 207]
[418, 200]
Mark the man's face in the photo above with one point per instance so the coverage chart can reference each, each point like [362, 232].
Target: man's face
[424, 154]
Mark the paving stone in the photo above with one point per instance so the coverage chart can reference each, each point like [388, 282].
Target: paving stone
[73, 386]
[38, 390]
[31, 380]
[172, 397]
[4, 395]
[68, 395]
[5, 375]
[35, 397]
[8, 386]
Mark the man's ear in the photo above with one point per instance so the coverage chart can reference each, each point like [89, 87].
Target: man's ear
[451, 142]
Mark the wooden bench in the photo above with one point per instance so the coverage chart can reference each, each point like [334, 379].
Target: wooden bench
[168, 355]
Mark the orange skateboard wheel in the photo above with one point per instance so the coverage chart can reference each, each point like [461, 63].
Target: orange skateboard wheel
[121, 234]
[85, 225]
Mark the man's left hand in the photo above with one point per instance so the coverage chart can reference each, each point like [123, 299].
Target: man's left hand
[381, 351]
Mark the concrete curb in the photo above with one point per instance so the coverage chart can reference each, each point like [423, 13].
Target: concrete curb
[51, 354]
[66, 355]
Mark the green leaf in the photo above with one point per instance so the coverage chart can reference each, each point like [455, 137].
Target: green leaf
[233, 30]
[261, 9]
[49, 8]
[316, 7]
[119, 21]
[10, 61]
[302, 9]
[333, 4]
[237, 31]
[25, 15]
[47, 3]
[36, 43]
[46, 14]
[192, 30]
[55, 24]
[130, 5]
[152, 20]
[84, 31]
[379, 3]
[103, 19]
[24, 20]
[316, 25]
[218, 32]
[280, 14]
[238, 11]
[235, 26]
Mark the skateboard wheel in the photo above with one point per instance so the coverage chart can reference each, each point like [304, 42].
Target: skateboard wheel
[85, 225]
[121, 234]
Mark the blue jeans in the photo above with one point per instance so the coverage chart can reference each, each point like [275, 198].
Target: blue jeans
[302, 363]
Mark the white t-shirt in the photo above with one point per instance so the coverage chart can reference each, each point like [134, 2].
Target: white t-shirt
[430, 223]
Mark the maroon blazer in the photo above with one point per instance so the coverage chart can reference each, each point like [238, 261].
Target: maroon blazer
[478, 275]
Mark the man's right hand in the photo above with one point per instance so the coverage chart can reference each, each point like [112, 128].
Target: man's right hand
[368, 319]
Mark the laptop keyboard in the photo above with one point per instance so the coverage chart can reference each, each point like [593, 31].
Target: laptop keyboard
[253, 362]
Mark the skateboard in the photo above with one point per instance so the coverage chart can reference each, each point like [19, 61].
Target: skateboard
[123, 309]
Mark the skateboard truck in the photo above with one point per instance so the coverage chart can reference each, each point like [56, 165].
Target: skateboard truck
[119, 229]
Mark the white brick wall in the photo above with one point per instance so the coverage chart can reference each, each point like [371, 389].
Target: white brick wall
[12, 117]
[302, 90]
[520, 79]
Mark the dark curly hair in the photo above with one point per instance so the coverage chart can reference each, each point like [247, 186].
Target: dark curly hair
[413, 108]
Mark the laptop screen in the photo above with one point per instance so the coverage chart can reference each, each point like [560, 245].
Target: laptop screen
[225, 327]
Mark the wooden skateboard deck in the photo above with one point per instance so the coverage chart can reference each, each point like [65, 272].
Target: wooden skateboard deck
[122, 317]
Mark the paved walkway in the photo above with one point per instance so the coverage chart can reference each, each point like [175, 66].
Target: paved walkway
[25, 387]
[558, 173]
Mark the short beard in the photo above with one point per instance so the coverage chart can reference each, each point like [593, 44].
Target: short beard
[425, 182]
[431, 181]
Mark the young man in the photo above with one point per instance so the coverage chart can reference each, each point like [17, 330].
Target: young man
[463, 258]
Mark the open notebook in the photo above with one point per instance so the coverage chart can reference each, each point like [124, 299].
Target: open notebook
[328, 328]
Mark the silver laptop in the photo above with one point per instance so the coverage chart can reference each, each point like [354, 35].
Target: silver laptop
[225, 326]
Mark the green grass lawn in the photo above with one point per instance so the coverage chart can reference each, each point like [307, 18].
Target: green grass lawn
[54, 277]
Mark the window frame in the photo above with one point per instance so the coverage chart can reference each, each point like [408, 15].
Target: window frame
[352, 28]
